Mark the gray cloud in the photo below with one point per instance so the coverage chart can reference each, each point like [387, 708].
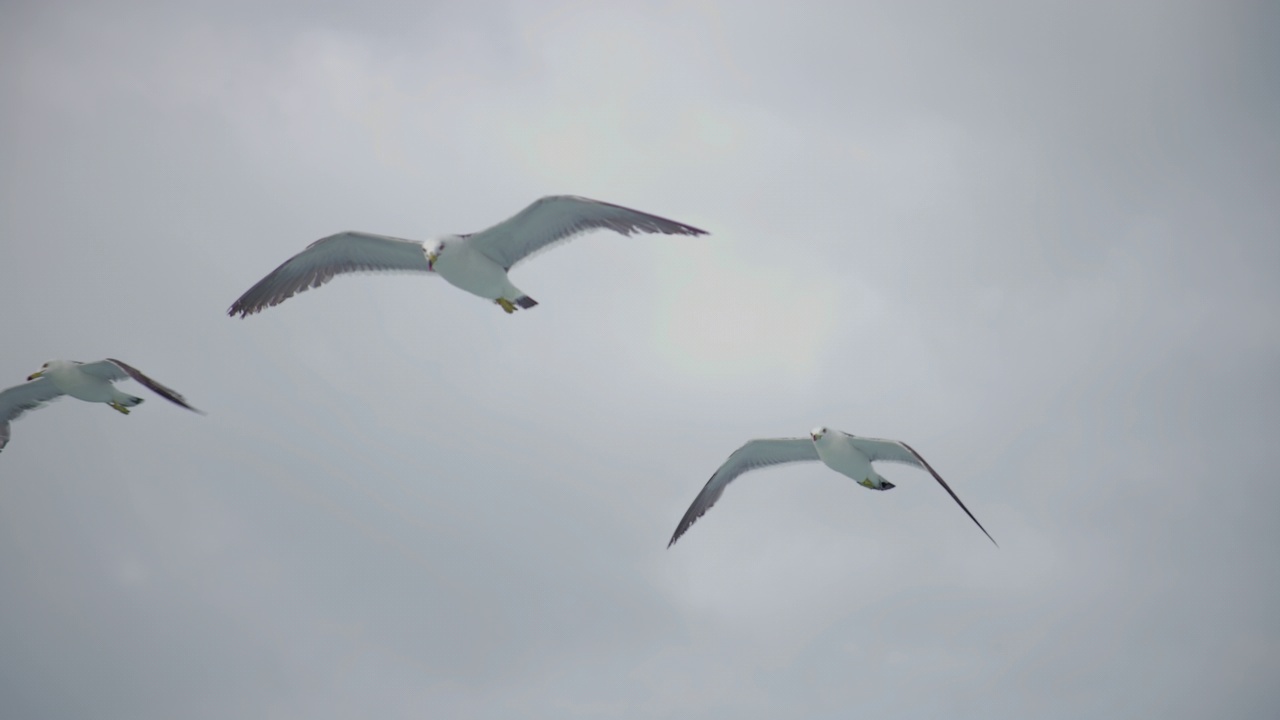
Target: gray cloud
[1037, 243]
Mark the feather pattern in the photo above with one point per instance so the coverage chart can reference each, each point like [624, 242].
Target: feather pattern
[899, 452]
[557, 218]
[754, 454]
[20, 398]
[130, 371]
[347, 252]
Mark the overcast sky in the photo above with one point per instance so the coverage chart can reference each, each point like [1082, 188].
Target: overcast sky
[1042, 245]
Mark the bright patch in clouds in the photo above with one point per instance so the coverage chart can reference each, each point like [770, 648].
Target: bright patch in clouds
[729, 318]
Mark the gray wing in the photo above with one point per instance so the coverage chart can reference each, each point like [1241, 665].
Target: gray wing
[557, 218]
[755, 454]
[900, 452]
[113, 370]
[346, 252]
[21, 398]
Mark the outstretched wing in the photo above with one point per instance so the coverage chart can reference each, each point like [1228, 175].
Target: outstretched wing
[557, 218]
[113, 370]
[900, 452]
[21, 398]
[346, 252]
[755, 454]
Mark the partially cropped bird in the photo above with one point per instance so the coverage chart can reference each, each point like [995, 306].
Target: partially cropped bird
[91, 382]
[847, 454]
[477, 263]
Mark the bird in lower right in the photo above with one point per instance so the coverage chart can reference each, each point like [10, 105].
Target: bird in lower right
[847, 454]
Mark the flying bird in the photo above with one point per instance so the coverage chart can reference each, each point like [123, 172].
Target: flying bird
[91, 382]
[477, 262]
[847, 454]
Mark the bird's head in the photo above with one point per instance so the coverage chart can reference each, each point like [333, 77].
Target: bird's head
[43, 369]
[817, 433]
[433, 253]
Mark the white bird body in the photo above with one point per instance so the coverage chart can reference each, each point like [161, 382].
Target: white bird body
[70, 380]
[837, 453]
[90, 382]
[463, 266]
[849, 455]
[477, 263]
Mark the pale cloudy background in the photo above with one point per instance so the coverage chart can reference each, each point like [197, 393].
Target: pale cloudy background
[1040, 243]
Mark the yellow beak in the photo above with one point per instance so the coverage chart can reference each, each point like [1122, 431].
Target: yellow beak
[431, 261]
[36, 374]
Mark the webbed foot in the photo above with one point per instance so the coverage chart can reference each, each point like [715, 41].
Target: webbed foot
[118, 407]
[506, 305]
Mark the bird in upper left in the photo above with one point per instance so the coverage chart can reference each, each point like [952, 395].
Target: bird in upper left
[475, 262]
[91, 382]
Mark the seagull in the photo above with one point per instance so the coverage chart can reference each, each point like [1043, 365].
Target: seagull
[847, 454]
[476, 262]
[90, 382]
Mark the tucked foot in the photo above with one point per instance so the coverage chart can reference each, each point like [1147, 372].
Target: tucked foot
[506, 305]
[118, 407]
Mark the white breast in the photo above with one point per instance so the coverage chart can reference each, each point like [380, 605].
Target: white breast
[466, 268]
[79, 385]
[840, 455]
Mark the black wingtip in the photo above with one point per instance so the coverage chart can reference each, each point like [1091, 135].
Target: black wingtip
[984, 530]
[950, 492]
[164, 392]
[242, 310]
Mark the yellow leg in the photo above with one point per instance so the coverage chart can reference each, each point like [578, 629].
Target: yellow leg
[506, 305]
[118, 407]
